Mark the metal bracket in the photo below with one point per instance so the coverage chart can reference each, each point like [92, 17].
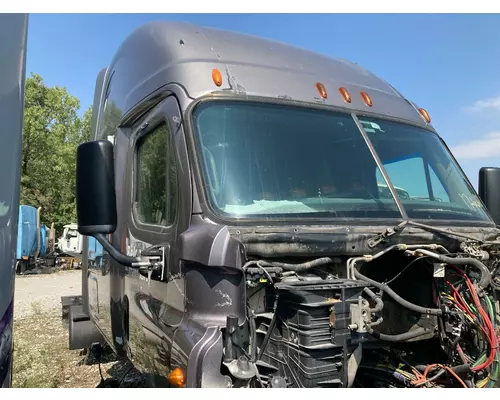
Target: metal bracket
[156, 262]
[382, 237]
[361, 316]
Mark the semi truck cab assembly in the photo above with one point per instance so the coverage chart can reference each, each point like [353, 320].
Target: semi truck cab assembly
[271, 217]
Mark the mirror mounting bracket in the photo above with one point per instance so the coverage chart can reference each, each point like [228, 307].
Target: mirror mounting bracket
[131, 262]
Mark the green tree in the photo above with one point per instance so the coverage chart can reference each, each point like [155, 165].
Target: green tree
[52, 132]
[85, 131]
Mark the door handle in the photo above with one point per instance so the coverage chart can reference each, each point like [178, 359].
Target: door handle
[158, 256]
[155, 271]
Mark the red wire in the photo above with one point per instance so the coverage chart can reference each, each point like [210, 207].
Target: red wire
[489, 331]
[492, 339]
[460, 302]
[458, 299]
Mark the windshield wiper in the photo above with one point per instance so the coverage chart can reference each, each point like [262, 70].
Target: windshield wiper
[372, 242]
[441, 210]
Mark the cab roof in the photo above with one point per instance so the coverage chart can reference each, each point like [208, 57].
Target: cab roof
[164, 52]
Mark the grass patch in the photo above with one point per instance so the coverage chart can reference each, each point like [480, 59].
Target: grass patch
[36, 307]
[42, 358]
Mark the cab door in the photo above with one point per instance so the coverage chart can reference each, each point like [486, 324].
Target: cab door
[160, 207]
[105, 276]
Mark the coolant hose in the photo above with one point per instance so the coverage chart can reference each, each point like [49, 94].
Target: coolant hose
[401, 337]
[396, 297]
[485, 280]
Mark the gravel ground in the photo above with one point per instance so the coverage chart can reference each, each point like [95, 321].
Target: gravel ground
[37, 294]
[41, 354]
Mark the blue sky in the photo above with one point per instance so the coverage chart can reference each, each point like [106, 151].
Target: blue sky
[448, 64]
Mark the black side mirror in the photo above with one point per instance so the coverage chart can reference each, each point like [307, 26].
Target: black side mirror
[95, 188]
[96, 198]
[489, 191]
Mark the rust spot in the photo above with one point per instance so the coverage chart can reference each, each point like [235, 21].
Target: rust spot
[332, 317]
[332, 310]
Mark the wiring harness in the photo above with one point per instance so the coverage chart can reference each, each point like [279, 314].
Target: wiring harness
[467, 328]
[452, 340]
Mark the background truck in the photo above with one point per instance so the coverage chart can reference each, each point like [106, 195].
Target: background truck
[237, 187]
[70, 247]
[71, 241]
[35, 242]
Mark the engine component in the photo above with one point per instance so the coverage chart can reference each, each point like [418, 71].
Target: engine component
[485, 273]
[278, 382]
[426, 322]
[311, 342]
[230, 338]
[361, 316]
[241, 368]
[474, 250]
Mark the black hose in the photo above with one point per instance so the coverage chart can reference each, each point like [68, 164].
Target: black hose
[253, 335]
[401, 337]
[298, 267]
[396, 297]
[485, 280]
[379, 304]
[458, 369]
[270, 330]
[267, 337]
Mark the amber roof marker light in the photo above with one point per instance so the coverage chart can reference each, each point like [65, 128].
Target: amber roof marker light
[217, 77]
[345, 94]
[321, 90]
[425, 115]
[366, 99]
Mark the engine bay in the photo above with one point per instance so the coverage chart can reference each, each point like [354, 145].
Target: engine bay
[407, 315]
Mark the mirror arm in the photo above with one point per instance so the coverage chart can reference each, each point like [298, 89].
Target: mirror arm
[131, 262]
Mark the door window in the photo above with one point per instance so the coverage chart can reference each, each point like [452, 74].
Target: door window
[156, 184]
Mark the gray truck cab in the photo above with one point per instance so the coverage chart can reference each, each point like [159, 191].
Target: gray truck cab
[237, 186]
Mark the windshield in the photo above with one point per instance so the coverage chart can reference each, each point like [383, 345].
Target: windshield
[429, 183]
[267, 160]
[71, 233]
